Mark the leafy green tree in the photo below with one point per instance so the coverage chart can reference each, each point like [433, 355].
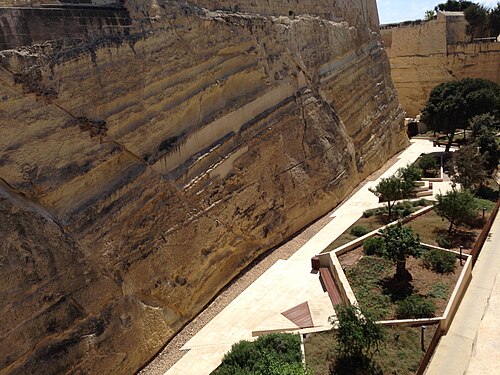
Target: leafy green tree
[451, 105]
[409, 177]
[488, 148]
[453, 6]
[357, 334]
[486, 120]
[477, 18]
[398, 186]
[494, 21]
[400, 243]
[468, 167]
[430, 14]
[388, 190]
[456, 206]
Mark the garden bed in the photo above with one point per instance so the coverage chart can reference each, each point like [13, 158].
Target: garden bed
[400, 353]
[430, 164]
[430, 227]
[378, 291]
[374, 219]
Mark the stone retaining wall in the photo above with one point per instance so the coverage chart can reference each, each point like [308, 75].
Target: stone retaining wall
[25, 26]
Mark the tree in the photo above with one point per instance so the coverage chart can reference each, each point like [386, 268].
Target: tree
[409, 177]
[453, 6]
[357, 334]
[398, 186]
[451, 105]
[494, 22]
[468, 167]
[400, 243]
[429, 15]
[484, 129]
[486, 120]
[486, 141]
[388, 190]
[456, 206]
[477, 17]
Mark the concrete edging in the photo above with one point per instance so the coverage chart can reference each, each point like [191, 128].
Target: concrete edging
[331, 261]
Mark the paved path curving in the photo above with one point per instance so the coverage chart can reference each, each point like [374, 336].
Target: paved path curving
[472, 345]
[287, 284]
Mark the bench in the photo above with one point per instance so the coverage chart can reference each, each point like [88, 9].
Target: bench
[329, 285]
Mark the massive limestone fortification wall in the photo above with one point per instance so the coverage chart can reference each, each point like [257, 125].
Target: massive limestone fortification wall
[142, 172]
[427, 53]
[356, 12]
[24, 26]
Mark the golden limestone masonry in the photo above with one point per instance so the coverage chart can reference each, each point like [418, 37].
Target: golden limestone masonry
[150, 150]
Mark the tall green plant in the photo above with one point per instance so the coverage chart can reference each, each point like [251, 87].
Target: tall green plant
[400, 243]
[357, 334]
[456, 207]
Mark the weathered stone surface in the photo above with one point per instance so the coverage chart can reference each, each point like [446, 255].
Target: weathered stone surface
[169, 159]
[427, 53]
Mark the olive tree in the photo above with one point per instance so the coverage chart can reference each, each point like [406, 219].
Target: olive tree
[484, 129]
[399, 186]
[357, 334]
[468, 167]
[456, 206]
[400, 243]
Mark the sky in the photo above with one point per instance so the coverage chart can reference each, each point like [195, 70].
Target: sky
[406, 10]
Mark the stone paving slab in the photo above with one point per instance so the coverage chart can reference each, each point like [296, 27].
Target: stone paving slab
[486, 353]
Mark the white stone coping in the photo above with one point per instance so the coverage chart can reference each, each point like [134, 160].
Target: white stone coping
[330, 260]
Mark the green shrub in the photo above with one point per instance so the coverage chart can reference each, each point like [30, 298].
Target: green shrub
[371, 212]
[439, 290]
[421, 202]
[440, 261]
[444, 241]
[404, 209]
[258, 357]
[429, 164]
[374, 246]
[359, 230]
[415, 307]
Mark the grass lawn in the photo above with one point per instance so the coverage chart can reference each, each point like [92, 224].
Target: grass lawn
[400, 354]
[377, 291]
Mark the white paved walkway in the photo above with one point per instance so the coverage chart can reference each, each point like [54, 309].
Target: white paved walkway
[285, 285]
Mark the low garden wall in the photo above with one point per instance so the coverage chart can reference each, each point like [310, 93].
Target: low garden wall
[484, 234]
[331, 261]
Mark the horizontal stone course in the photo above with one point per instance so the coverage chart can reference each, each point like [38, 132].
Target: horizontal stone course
[24, 26]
